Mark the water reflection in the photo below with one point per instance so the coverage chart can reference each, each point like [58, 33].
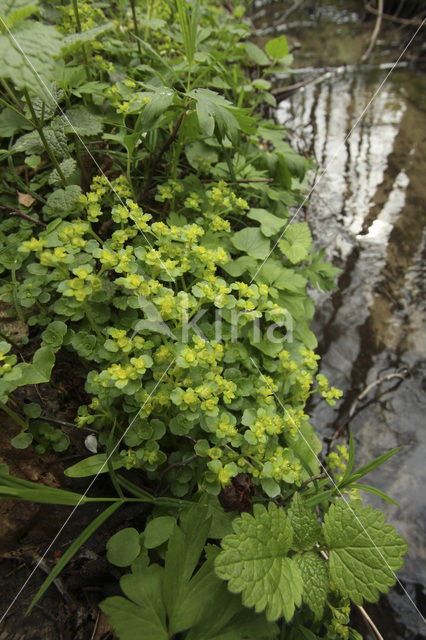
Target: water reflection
[368, 211]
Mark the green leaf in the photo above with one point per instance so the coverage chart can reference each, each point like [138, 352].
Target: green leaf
[54, 334]
[11, 122]
[277, 48]
[72, 550]
[158, 103]
[62, 202]
[306, 528]
[123, 547]
[14, 11]
[28, 55]
[237, 267]
[158, 531]
[40, 369]
[145, 617]
[68, 167]
[296, 242]
[256, 54]
[22, 440]
[73, 41]
[269, 224]
[82, 121]
[254, 562]
[316, 582]
[251, 241]
[92, 465]
[32, 410]
[364, 551]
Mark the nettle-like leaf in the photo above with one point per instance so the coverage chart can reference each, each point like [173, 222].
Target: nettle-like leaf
[364, 551]
[296, 242]
[254, 561]
[14, 11]
[316, 581]
[164, 601]
[82, 121]
[68, 166]
[27, 53]
[62, 202]
[306, 528]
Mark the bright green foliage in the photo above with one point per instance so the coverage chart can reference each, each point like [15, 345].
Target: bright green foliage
[167, 601]
[254, 561]
[364, 551]
[316, 582]
[178, 284]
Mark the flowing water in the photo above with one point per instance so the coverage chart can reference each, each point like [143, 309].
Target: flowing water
[368, 210]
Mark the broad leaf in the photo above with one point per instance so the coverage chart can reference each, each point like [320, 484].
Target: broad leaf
[92, 465]
[123, 547]
[256, 54]
[82, 121]
[364, 551]
[252, 242]
[254, 561]
[277, 48]
[62, 202]
[158, 531]
[296, 242]
[269, 224]
[28, 55]
[316, 582]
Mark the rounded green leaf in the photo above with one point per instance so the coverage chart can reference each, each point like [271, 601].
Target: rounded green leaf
[123, 547]
[158, 531]
[22, 440]
[277, 48]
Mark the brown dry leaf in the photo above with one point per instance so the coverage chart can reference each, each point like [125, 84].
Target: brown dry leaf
[25, 199]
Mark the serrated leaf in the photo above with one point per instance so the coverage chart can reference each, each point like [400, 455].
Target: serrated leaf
[28, 55]
[364, 551]
[13, 11]
[56, 138]
[269, 224]
[306, 528]
[82, 121]
[68, 167]
[61, 202]
[11, 122]
[254, 561]
[296, 242]
[251, 241]
[316, 582]
[123, 547]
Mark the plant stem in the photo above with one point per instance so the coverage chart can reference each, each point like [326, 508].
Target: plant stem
[92, 321]
[136, 28]
[44, 142]
[13, 415]
[12, 95]
[78, 23]
[18, 307]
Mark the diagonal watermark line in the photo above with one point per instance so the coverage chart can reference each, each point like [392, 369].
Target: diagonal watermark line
[324, 171]
[40, 560]
[340, 493]
[64, 115]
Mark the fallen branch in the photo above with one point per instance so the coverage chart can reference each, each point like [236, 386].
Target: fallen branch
[18, 212]
[415, 22]
[282, 91]
[238, 181]
[375, 33]
[340, 428]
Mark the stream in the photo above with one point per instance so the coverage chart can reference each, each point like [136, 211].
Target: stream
[367, 209]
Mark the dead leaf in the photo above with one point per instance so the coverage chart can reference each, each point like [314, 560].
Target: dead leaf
[25, 199]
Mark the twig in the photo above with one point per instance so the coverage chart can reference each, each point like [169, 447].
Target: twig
[278, 91]
[181, 464]
[22, 214]
[358, 399]
[319, 476]
[415, 22]
[375, 33]
[238, 181]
